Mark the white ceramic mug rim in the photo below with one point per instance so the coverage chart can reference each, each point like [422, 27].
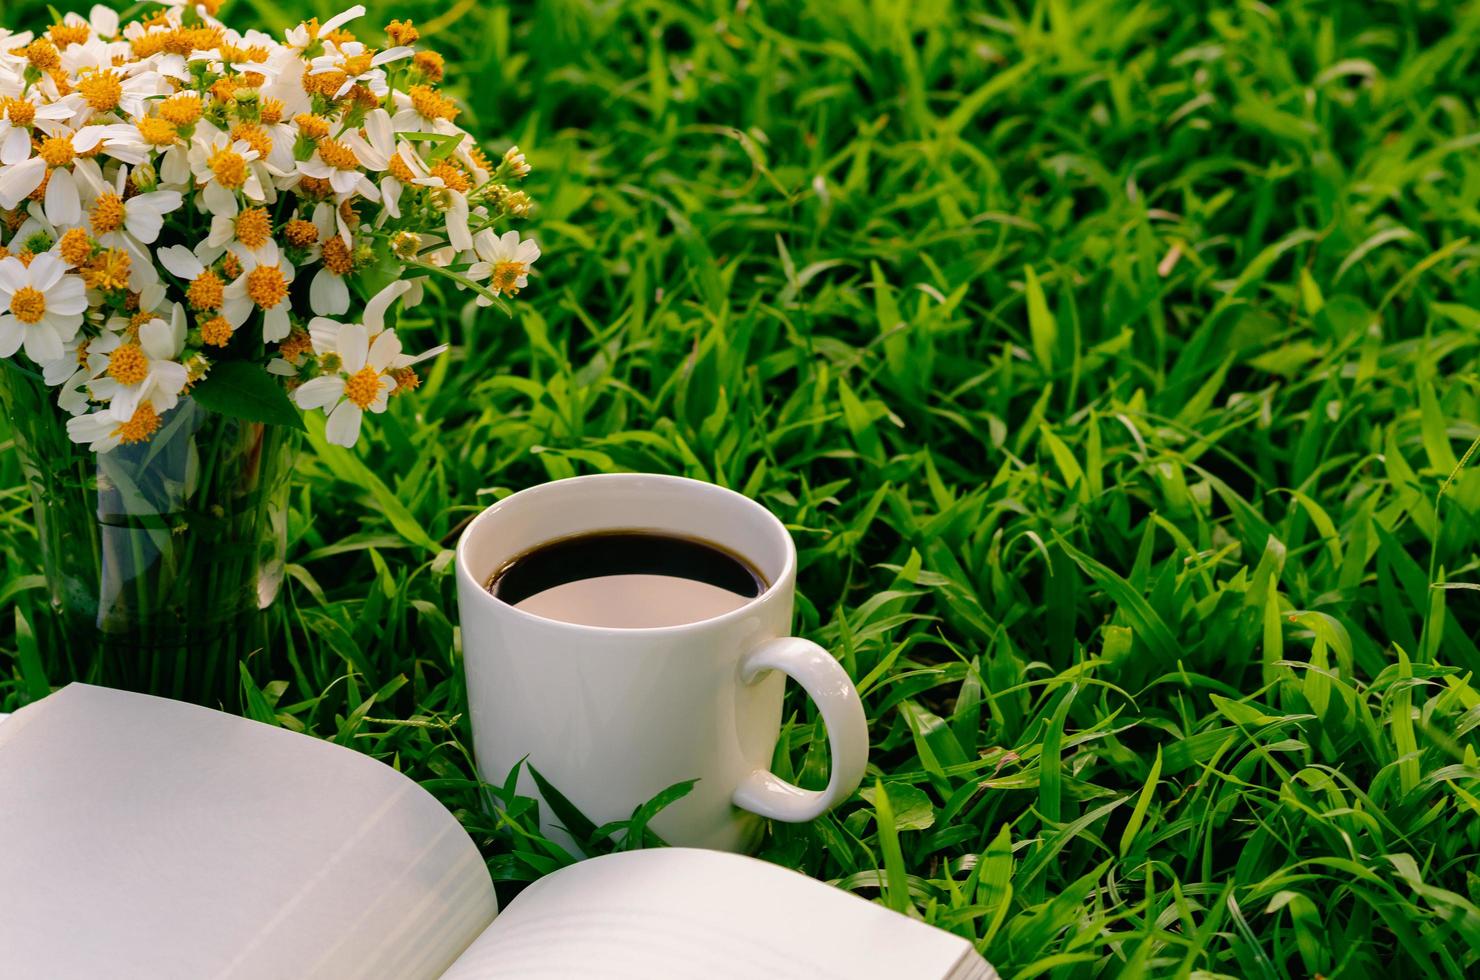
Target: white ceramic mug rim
[788, 567]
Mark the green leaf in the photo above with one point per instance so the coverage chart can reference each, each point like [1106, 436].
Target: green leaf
[896, 876]
[443, 145]
[348, 467]
[241, 390]
[1143, 803]
[563, 810]
[1041, 324]
[638, 835]
[912, 807]
[1148, 626]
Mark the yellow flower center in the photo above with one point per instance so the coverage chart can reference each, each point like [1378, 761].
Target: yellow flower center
[107, 213]
[300, 233]
[205, 291]
[506, 277]
[407, 380]
[324, 83]
[76, 247]
[127, 364]
[57, 150]
[431, 105]
[253, 227]
[363, 387]
[315, 187]
[180, 110]
[102, 90]
[337, 155]
[359, 64]
[108, 271]
[406, 244]
[139, 428]
[401, 170]
[254, 137]
[28, 305]
[272, 111]
[229, 166]
[21, 112]
[266, 286]
[43, 54]
[453, 177]
[157, 131]
[295, 345]
[337, 258]
[64, 35]
[402, 32]
[216, 331]
[430, 64]
[314, 127]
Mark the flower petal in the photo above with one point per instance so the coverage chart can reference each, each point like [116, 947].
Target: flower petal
[11, 335]
[20, 180]
[380, 302]
[343, 427]
[275, 324]
[155, 338]
[319, 392]
[384, 351]
[42, 343]
[354, 346]
[180, 262]
[15, 147]
[328, 295]
[46, 271]
[64, 207]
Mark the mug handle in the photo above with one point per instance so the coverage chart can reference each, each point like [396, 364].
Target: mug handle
[827, 684]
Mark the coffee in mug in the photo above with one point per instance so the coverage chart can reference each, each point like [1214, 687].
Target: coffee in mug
[623, 633]
[628, 579]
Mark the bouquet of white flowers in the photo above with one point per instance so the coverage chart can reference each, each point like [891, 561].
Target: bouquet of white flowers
[205, 233]
[193, 209]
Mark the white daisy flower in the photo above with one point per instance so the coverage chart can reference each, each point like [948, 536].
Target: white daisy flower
[299, 37]
[58, 149]
[43, 307]
[245, 233]
[336, 162]
[225, 168]
[454, 203]
[263, 285]
[101, 432]
[140, 218]
[324, 331]
[361, 384]
[128, 371]
[102, 89]
[21, 113]
[424, 111]
[130, 224]
[504, 262]
[358, 65]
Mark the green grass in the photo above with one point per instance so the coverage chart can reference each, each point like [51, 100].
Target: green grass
[1110, 364]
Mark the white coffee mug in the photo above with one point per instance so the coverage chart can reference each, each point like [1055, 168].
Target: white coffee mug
[611, 717]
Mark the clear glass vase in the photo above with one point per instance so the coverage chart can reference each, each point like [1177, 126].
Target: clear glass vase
[160, 557]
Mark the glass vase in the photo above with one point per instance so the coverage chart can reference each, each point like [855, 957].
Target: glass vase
[160, 557]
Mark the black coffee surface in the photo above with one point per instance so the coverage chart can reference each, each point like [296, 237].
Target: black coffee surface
[604, 553]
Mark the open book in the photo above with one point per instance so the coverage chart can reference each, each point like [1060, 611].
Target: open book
[141, 837]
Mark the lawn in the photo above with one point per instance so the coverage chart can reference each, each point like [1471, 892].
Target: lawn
[1113, 366]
